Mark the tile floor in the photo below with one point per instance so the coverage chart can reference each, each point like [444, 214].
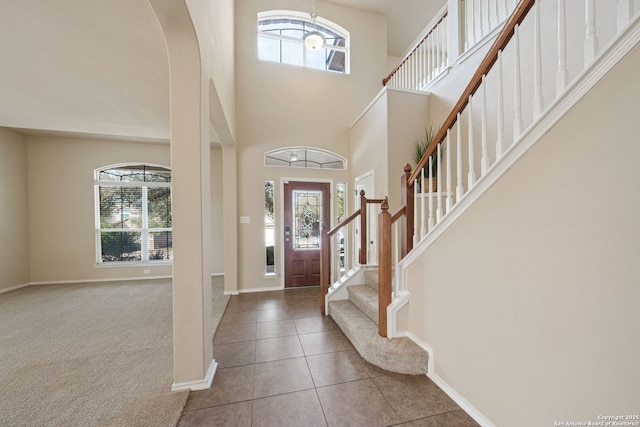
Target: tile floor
[281, 363]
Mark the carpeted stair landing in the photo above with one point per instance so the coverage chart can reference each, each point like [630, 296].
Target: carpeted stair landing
[357, 317]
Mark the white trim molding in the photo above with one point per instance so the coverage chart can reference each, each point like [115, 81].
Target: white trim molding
[203, 384]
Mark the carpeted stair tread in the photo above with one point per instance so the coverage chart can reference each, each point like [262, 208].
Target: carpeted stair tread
[400, 355]
[366, 299]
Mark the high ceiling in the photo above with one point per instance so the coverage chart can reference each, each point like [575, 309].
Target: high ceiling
[94, 67]
[405, 18]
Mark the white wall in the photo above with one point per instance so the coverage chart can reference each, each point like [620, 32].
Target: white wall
[14, 212]
[61, 206]
[529, 301]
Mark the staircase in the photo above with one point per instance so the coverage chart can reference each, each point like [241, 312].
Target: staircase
[357, 316]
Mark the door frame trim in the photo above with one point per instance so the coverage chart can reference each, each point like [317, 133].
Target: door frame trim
[280, 221]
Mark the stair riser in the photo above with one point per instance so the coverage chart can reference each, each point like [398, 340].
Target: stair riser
[367, 305]
[371, 279]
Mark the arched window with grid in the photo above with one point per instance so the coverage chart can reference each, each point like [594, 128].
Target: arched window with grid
[281, 36]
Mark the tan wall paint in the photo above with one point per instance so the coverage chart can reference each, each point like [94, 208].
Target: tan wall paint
[383, 138]
[369, 147]
[14, 226]
[217, 203]
[62, 213]
[281, 106]
[529, 301]
[408, 116]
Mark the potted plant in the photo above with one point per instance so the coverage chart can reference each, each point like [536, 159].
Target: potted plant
[421, 147]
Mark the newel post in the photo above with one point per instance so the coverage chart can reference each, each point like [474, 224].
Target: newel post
[407, 199]
[325, 266]
[362, 254]
[384, 266]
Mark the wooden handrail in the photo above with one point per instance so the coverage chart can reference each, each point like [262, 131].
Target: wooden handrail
[395, 70]
[350, 218]
[396, 216]
[501, 42]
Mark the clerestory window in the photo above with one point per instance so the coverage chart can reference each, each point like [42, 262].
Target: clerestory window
[281, 39]
[133, 214]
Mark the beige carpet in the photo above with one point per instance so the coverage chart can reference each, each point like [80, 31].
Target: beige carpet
[90, 354]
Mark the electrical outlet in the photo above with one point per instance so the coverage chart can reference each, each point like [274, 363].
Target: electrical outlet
[147, 271]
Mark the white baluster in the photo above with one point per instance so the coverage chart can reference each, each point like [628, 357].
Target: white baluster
[471, 177]
[500, 139]
[433, 55]
[473, 23]
[538, 99]
[445, 41]
[484, 159]
[517, 91]
[481, 20]
[423, 212]
[436, 42]
[449, 198]
[416, 235]
[396, 251]
[465, 25]
[497, 9]
[625, 13]
[562, 77]
[441, 46]
[429, 56]
[405, 83]
[431, 220]
[426, 61]
[412, 72]
[419, 61]
[439, 183]
[459, 187]
[591, 41]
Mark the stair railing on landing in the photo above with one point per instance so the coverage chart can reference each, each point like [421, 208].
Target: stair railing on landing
[325, 247]
[472, 109]
[425, 62]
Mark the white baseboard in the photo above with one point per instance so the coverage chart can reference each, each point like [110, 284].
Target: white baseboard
[217, 274]
[13, 288]
[473, 412]
[203, 384]
[251, 290]
[119, 279]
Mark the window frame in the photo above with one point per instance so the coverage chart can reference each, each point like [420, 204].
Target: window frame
[325, 24]
[144, 230]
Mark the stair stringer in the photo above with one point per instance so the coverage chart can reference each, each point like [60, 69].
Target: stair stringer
[610, 56]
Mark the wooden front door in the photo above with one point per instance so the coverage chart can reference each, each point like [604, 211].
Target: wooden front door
[306, 207]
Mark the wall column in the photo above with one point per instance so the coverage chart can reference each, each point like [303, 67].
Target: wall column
[194, 366]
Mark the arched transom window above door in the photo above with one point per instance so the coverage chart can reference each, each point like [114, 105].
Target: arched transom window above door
[282, 34]
[304, 157]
